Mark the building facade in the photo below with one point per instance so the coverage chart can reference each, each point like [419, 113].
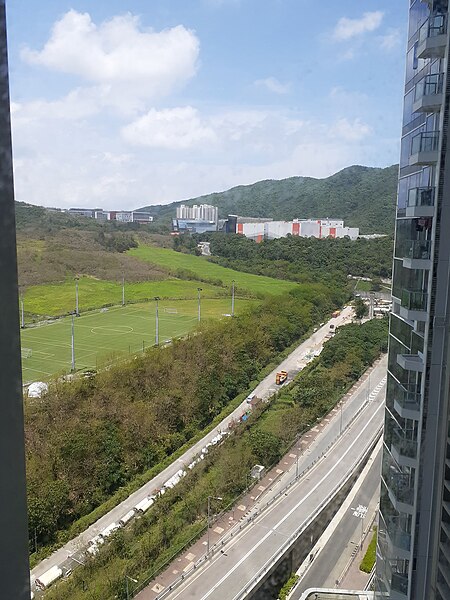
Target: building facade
[201, 212]
[260, 230]
[413, 552]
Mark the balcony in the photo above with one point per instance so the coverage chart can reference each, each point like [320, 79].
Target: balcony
[414, 305]
[432, 38]
[415, 254]
[410, 362]
[403, 448]
[407, 402]
[428, 94]
[424, 148]
[420, 202]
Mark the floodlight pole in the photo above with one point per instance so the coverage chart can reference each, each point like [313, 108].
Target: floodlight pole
[14, 565]
[73, 343]
[199, 310]
[123, 290]
[157, 322]
[232, 298]
[77, 312]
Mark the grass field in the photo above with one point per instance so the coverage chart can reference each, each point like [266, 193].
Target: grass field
[255, 284]
[59, 299]
[101, 337]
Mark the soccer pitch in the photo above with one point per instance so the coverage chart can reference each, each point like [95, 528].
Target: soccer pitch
[109, 334]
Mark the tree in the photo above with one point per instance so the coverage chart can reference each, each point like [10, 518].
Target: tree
[360, 307]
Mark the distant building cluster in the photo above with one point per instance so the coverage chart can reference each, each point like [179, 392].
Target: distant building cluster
[195, 219]
[122, 216]
[204, 217]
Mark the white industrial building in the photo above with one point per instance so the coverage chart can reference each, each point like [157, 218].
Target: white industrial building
[317, 228]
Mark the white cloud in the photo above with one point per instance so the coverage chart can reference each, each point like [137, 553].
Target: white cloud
[274, 85]
[348, 28]
[120, 57]
[350, 131]
[173, 128]
[391, 40]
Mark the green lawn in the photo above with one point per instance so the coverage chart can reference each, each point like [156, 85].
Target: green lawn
[101, 337]
[59, 298]
[255, 284]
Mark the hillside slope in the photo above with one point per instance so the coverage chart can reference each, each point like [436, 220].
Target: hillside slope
[363, 196]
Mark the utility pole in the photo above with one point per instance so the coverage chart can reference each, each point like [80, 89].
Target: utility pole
[157, 322]
[14, 565]
[232, 298]
[127, 578]
[123, 290]
[73, 343]
[77, 312]
[198, 296]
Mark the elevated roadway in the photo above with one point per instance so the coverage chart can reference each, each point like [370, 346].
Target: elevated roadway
[245, 558]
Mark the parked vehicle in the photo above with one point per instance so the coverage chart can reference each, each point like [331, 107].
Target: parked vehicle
[281, 377]
[49, 577]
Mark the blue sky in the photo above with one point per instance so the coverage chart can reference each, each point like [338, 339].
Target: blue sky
[125, 104]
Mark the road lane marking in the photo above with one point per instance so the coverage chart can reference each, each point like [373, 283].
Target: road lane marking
[281, 521]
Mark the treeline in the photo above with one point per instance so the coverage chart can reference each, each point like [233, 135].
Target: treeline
[86, 439]
[297, 258]
[180, 514]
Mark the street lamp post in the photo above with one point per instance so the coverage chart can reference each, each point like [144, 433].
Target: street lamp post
[157, 321]
[77, 312]
[198, 297]
[232, 298]
[127, 579]
[340, 427]
[208, 522]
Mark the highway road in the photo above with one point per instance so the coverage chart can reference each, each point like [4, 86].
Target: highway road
[227, 574]
[335, 553]
[293, 364]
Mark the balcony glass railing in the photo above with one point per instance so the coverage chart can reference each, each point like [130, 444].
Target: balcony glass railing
[399, 583]
[408, 398]
[426, 141]
[414, 249]
[433, 27]
[423, 196]
[429, 86]
[403, 442]
[414, 300]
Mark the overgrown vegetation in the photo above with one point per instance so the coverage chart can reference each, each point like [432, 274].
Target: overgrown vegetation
[180, 515]
[304, 259]
[87, 439]
[287, 587]
[369, 559]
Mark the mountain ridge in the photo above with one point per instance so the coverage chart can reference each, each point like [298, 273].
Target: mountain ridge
[364, 197]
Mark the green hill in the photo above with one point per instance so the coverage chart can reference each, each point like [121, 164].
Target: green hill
[363, 196]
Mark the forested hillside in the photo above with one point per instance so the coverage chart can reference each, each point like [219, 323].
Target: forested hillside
[363, 196]
[296, 258]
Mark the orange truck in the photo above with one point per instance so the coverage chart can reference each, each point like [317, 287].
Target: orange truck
[281, 377]
[336, 314]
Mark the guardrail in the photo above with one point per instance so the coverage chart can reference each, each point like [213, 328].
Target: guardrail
[242, 525]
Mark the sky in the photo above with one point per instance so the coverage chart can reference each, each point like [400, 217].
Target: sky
[121, 104]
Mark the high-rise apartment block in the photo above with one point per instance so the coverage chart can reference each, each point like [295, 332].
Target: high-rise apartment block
[413, 554]
[202, 212]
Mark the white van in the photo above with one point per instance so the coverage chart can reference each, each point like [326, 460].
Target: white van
[251, 397]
